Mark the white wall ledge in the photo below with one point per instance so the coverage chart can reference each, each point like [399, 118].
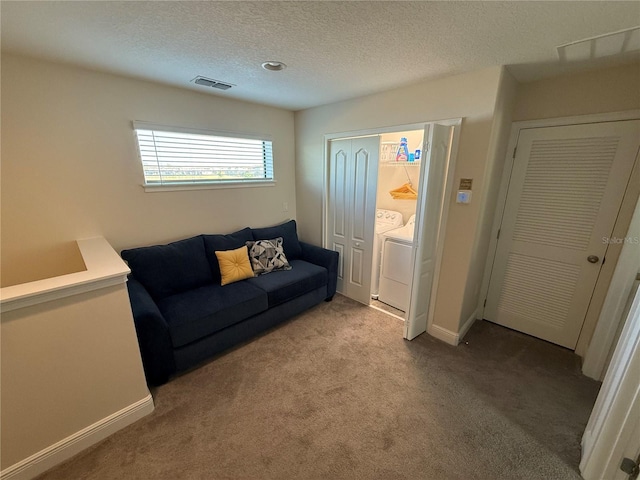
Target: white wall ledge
[104, 268]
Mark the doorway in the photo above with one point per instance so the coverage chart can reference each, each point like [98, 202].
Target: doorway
[364, 174]
[564, 192]
[396, 204]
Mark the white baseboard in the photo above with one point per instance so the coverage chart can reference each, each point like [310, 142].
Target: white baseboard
[443, 334]
[467, 325]
[450, 337]
[59, 452]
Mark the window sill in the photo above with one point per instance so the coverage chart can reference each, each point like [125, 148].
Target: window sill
[208, 186]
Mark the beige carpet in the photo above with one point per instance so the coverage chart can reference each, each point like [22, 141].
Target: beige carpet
[337, 393]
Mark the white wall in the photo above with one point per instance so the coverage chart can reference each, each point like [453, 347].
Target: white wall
[70, 167]
[471, 96]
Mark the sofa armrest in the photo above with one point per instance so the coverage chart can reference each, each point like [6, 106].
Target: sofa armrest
[324, 258]
[152, 330]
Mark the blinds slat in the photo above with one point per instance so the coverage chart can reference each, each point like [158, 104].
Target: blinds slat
[182, 157]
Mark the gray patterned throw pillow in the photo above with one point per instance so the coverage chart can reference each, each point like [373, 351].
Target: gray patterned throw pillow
[267, 256]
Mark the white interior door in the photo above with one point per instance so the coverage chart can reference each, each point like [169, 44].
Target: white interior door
[566, 187]
[629, 446]
[613, 430]
[428, 215]
[353, 173]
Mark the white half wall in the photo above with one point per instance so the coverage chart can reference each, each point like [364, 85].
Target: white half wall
[71, 367]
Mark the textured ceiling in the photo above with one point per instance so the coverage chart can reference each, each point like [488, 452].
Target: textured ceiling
[334, 50]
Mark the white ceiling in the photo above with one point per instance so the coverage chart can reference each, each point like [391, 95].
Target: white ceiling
[334, 50]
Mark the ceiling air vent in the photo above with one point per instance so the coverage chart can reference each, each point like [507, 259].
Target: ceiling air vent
[210, 82]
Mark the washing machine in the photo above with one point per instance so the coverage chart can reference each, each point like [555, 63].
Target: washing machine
[396, 269]
[385, 220]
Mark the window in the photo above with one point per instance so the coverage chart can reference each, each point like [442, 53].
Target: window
[174, 156]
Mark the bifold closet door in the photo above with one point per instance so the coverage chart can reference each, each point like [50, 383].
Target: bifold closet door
[433, 174]
[565, 191]
[353, 174]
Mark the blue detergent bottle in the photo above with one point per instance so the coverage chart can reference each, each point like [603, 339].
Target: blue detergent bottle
[403, 151]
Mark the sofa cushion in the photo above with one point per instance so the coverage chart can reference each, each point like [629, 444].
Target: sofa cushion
[197, 313]
[267, 256]
[284, 285]
[289, 234]
[231, 241]
[165, 270]
[234, 265]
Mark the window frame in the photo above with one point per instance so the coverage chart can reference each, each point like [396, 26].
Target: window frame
[206, 184]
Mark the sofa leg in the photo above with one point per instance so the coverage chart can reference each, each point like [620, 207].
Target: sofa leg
[328, 299]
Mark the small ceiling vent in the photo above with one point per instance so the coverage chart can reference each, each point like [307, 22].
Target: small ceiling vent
[210, 82]
[614, 43]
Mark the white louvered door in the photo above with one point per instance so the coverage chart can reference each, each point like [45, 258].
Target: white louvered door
[566, 187]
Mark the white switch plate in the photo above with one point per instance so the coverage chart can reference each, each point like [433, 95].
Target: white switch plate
[463, 196]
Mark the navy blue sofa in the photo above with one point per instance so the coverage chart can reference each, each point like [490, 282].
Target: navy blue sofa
[183, 315]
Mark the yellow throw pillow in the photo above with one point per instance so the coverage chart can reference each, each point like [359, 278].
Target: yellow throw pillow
[234, 265]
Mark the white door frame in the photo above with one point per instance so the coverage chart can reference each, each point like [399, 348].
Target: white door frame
[615, 415]
[456, 123]
[516, 127]
[615, 302]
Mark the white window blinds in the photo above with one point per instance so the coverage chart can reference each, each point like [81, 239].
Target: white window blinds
[179, 156]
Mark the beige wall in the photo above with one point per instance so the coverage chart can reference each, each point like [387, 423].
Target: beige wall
[70, 167]
[471, 96]
[493, 175]
[66, 365]
[598, 91]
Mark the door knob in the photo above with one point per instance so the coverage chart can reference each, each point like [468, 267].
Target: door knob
[357, 244]
[593, 259]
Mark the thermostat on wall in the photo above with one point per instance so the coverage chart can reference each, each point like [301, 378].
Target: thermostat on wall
[463, 196]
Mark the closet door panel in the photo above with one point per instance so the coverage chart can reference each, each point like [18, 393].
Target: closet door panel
[338, 212]
[430, 206]
[360, 186]
[357, 267]
[353, 174]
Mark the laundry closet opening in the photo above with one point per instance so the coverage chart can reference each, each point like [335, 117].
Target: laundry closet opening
[384, 214]
[396, 202]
